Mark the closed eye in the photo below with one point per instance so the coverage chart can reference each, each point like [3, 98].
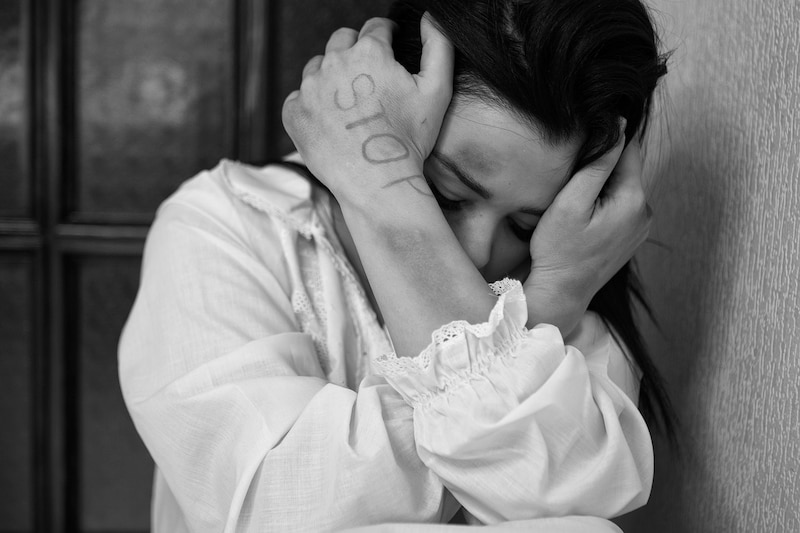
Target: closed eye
[443, 201]
[520, 232]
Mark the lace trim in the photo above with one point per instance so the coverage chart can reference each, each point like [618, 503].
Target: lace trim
[504, 285]
[504, 289]
[372, 340]
[302, 308]
[307, 230]
[508, 290]
[450, 384]
[308, 303]
[370, 336]
[311, 230]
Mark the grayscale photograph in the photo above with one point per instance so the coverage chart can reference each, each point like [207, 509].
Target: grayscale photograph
[400, 266]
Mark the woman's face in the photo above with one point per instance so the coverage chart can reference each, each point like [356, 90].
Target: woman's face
[493, 177]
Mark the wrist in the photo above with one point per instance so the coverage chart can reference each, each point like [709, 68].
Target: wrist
[400, 200]
[556, 304]
[397, 227]
[359, 186]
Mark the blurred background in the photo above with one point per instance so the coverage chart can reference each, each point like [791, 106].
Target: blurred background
[106, 106]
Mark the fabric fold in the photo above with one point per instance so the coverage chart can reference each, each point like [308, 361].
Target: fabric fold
[460, 352]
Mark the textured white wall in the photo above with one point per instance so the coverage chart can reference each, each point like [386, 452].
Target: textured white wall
[727, 289]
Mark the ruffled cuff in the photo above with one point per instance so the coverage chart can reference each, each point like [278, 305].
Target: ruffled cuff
[461, 352]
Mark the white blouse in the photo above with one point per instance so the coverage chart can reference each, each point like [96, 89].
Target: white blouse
[266, 391]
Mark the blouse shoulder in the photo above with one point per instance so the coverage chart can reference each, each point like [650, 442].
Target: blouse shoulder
[273, 189]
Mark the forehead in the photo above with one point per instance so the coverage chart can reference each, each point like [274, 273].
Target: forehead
[503, 153]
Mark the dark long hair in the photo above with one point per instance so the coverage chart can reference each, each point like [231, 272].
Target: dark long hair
[570, 68]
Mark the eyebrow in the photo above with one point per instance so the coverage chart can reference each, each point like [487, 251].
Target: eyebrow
[473, 184]
[465, 178]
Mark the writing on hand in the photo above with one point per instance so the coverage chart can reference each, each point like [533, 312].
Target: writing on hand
[376, 148]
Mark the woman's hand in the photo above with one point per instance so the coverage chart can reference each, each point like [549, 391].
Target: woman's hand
[360, 121]
[584, 237]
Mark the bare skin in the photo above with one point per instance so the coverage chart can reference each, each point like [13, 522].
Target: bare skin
[367, 129]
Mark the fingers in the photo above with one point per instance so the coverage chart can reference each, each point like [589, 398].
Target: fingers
[380, 29]
[584, 188]
[292, 96]
[625, 188]
[288, 112]
[341, 39]
[626, 178]
[436, 64]
[312, 66]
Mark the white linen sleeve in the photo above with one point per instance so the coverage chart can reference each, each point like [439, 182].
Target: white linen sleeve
[232, 404]
[519, 425]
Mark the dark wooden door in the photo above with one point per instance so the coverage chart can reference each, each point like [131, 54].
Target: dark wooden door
[106, 106]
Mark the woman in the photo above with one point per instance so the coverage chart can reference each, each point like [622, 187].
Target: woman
[257, 364]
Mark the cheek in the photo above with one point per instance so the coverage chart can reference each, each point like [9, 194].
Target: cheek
[509, 255]
[508, 252]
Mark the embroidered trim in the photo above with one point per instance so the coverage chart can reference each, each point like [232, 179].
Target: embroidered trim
[308, 302]
[371, 338]
[505, 289]
[508, 290]
[306, 230]
[450, 384]
[504, 285]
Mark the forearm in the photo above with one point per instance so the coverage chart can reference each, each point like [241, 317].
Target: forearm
[419, 273]
[551, 304]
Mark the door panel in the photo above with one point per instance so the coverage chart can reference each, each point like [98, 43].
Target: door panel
[114, 469]
[14, 190]
[105, 108]
[154, 99]
[16, 401]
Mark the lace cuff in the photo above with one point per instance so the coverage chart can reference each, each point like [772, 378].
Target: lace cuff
[459, 351]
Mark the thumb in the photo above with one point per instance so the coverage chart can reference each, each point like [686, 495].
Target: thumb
[436, 64]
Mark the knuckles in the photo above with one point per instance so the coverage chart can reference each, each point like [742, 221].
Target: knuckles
[312, 65]
[641, 208]
[376, 22]
[637, 203]
[294, 114]
[289, 112]
[370, 47]
[344, 32]
[357, 82]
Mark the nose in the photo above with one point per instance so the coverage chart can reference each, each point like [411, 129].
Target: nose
[475, 233]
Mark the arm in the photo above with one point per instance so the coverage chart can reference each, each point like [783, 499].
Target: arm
[532, 392]
[516, 423]
[347, 121]
[365, 126]
[231, 402]
[520, 425]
